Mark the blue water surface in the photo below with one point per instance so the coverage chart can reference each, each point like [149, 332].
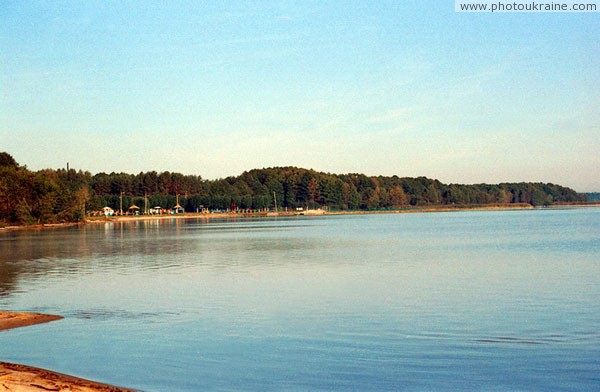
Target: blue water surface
[471, 300]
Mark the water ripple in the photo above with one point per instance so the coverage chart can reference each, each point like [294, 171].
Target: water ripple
[509, 339]
[105, 314]
[549, 339]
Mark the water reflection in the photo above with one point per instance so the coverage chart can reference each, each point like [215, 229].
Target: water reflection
[435, 244]
[138, 245]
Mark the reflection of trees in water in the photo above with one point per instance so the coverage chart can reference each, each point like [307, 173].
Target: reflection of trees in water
[8, 278]
[38, 254]
[42, 254]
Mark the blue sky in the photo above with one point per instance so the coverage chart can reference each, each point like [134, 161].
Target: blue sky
[389, 87]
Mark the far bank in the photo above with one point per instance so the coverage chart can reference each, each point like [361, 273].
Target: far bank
[318, 212]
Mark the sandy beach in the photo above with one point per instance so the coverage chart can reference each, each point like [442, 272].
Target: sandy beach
[10, 320]
[15, 377]
[290, 213]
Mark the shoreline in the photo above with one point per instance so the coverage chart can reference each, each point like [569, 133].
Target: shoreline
[318, 212]
[225, 215]
[17, 377]
[10, 320]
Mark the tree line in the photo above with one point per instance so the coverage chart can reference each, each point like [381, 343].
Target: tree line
[67, 195]
[593, 196]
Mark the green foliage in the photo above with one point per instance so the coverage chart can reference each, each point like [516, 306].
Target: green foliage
[66, 195]
[46, 196]
[7, 160]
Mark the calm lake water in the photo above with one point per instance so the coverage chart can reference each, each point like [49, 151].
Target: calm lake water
[496, 300]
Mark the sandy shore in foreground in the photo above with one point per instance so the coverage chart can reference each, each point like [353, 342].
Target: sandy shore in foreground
[24, 378]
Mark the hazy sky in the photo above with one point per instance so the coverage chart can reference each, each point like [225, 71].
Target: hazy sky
[379, 87]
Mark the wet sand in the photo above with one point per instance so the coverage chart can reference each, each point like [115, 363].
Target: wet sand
[10, 320]
[14, 377]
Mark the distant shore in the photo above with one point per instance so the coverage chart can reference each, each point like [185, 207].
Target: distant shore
[224, 215]
[16, 377]
[318, 212]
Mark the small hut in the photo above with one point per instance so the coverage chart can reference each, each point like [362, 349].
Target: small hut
[133, 210]
[177, 209]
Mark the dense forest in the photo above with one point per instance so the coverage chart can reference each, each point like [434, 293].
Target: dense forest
[593, 196]
[67, 195]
